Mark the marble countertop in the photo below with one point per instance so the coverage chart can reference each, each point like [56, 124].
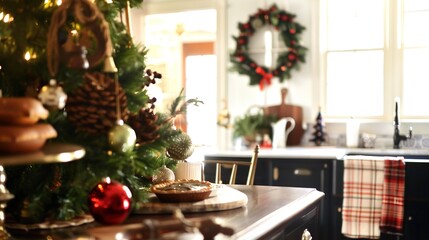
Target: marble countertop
[324, 152]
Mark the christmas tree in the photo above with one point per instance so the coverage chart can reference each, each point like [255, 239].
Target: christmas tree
[45, 39]
[319, 130]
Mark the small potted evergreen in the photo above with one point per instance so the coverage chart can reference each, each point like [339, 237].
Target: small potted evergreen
[252, 126]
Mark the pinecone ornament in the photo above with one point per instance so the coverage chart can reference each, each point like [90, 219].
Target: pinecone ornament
[91, 108]
[145, 125]
[180, 147]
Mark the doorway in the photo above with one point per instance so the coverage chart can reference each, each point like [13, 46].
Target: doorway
[181, 47]
[199, 79]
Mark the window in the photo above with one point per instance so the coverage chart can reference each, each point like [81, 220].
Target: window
[415, 58]
[375, 50]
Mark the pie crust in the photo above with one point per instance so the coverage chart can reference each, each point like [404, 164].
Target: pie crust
[183, 190]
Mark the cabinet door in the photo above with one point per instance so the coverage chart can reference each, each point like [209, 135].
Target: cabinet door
[308, 173]
[416, 219]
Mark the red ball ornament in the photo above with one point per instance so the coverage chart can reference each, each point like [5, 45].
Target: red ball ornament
[291, 57]
[110, 202]
[292, 31]
[284, 18]
[242, 40]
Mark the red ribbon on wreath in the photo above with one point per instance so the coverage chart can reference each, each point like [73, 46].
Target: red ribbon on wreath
[266, 77]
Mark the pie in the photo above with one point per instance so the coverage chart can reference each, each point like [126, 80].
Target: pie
[182, 190]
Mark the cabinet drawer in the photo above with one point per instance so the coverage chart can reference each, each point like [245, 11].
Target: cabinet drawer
[297, 174]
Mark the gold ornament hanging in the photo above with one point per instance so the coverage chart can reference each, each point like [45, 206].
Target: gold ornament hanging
[180, 147]
[122, 137]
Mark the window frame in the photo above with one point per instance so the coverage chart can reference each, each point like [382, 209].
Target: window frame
[393, 62]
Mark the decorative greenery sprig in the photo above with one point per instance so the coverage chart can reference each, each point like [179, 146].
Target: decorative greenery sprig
[179, 106]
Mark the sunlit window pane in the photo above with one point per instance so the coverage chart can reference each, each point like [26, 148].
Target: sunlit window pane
[416, 82]
[416, 32]
[201, 83]
[355, 83]
[355, 24]
[416, 5]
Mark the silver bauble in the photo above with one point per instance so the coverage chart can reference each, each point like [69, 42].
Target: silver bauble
[163, 174]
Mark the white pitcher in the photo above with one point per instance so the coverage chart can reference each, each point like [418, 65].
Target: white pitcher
[280, 132]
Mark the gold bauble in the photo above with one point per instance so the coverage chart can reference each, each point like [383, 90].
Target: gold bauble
[122, 138]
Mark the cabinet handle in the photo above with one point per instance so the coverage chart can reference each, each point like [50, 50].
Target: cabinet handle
[306, 235]
[275, 173]
[302, 172]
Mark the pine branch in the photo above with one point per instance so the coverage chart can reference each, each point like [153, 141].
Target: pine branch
[179, 107]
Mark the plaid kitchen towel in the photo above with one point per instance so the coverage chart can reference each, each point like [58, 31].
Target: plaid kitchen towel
[392, 210]
[362, 199]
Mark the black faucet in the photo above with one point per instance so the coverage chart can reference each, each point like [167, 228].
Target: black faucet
[397, 137]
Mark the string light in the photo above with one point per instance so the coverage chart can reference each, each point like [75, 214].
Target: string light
[52, 3]
[7, 18]
[27, 56]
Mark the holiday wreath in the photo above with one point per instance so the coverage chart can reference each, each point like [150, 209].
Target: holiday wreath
[287, 60]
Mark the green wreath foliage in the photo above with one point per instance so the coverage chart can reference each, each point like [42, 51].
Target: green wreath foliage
[290, 32]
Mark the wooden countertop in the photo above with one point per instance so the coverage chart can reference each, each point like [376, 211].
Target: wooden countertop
[268, 208]
[268, 211]
[324, 152]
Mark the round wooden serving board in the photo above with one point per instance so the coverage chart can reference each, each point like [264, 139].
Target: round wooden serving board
[222, 198]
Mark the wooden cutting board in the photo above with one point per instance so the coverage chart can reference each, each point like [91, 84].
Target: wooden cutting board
[286, 110]
[221, 198]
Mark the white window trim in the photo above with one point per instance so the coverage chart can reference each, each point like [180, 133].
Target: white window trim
[393, 70]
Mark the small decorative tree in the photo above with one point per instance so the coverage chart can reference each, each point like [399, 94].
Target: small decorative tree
[319, 133]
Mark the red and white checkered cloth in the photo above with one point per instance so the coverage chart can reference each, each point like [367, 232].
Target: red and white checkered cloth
[363, 192]
[373, 196]
[392, 210]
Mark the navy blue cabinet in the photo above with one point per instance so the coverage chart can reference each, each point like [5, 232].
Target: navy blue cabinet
[310, 173]
[326, 175]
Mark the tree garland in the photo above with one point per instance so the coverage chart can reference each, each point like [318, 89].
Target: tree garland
[282, 21]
